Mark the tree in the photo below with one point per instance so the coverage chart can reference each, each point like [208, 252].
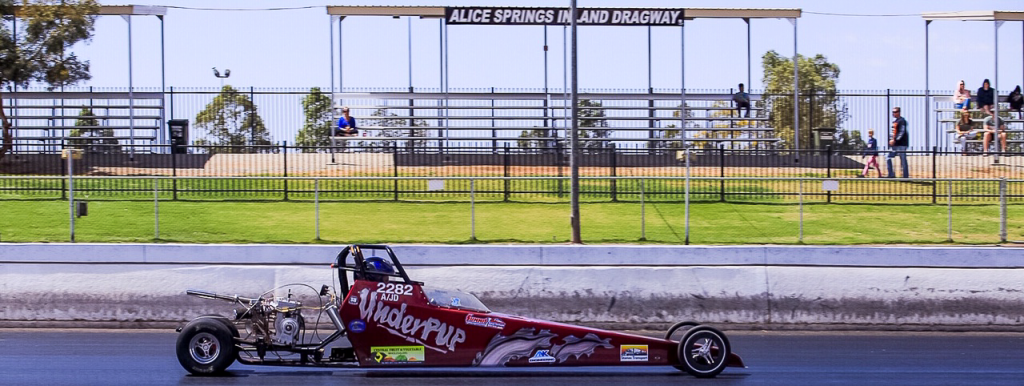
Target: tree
[232, 121]
[819, 105]
[592, 116]
[40, 50]
[399, 124]
[316, 129]
[90, 127]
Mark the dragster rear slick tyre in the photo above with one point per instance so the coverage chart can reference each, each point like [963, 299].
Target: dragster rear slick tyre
[206, 347]
[704, 352]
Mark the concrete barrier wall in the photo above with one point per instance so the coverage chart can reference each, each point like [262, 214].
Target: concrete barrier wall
[139, 285]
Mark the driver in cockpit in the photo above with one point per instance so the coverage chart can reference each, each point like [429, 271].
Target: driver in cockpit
[377, 269]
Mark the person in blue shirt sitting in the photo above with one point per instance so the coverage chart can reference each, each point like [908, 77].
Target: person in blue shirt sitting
[346, 125]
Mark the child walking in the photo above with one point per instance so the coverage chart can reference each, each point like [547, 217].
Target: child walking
[871, 151]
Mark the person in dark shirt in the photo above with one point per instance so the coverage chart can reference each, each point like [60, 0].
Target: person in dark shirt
[898, 144]
[986, 97]
[742, 100]
[871, 151]
[1016, 100]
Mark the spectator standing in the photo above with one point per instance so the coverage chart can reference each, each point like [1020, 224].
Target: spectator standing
[986, 97]
[965, 130]
[1016, 102]
[962, 97]
[742, 99]
[898, 144]
[991, 122]
[346, 125]
[871, 151]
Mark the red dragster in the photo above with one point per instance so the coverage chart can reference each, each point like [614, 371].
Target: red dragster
[389, 320]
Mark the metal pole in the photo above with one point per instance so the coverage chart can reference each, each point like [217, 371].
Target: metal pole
[71, 191]
[643, 217]
[995, 106]
[682, 115]
[749, 85]
[574, 145]
[341, 58]
[131, 93]
[801, 193]
[472, 209]
[408, 29]
[927, 106]
[796, 96]
[156, 209]
[949, 211]
[649, 84]
[330, 34]
[1002, 210]
[447, 124]
[316, 206]
[565, 84]
[686, 209]
[163, 82]
[682, 83]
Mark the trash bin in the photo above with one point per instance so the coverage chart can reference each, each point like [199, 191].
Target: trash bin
[179, 135]
[824, 137]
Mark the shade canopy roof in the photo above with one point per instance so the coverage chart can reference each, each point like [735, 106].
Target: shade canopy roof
[975, 15]
[439, 11]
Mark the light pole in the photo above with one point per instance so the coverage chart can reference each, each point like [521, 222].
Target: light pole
[227, 73]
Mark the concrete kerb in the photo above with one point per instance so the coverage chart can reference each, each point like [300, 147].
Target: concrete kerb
[775, 287]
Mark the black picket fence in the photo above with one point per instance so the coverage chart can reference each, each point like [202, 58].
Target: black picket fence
[509, 174]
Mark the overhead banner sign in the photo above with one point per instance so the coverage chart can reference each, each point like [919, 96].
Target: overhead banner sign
[560, 16]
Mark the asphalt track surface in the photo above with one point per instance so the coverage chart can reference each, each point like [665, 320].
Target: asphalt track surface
[113, 357]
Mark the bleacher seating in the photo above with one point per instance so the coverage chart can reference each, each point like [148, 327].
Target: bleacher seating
[503, 117]
[48, 118]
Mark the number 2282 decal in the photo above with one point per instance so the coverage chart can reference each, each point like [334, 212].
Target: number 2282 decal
[397, 289]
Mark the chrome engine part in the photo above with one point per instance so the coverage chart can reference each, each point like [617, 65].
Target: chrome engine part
[286, 329]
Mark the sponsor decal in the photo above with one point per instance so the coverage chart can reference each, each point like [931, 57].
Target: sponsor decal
[561, 16]
[353, 300]
[397, 354]
[394, 320]
[357, 326]
[527, 341]
[542, 356]
[633, 353]
[485, 321]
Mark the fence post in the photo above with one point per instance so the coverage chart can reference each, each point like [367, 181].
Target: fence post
[721, 174]
[316, 205]
[252, 122]
[508, 163]
[949, 211]
[285, 152]
[558, 166]
[643, 220]
[1002, 210]
[63, 182]
[394, 161]
[828, 170]
[156, 209]
[935, 151]
[614, 182]
[801, 194]
[174, 174]
[472, 210]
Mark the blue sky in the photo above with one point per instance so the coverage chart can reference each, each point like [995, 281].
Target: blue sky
[290, 48]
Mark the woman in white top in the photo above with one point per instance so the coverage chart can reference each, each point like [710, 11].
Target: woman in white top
[962, 97]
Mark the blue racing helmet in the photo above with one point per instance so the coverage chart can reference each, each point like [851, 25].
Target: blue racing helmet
[377, 269]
